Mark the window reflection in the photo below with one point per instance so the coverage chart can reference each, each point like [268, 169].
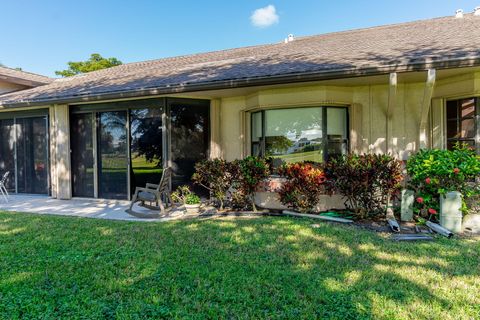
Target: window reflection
[146, 147]
[113, 155]
[294, 135]
[300, 134]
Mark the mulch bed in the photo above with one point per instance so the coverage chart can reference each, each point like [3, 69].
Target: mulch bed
[377, 225]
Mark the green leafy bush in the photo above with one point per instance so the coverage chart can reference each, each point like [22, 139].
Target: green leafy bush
[435, 172]
[249, 173]
[365, 181]
[304, 185]
[216, 176]
[192, 199]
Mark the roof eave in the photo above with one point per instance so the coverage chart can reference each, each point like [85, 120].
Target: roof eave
[23, 82]
[251, 82]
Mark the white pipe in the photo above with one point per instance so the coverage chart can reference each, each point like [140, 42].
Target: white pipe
[439, 229]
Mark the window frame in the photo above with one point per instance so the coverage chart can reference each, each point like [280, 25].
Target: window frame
[324, 109]
[458, 119]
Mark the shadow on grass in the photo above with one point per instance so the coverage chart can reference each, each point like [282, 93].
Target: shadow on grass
[227, 268]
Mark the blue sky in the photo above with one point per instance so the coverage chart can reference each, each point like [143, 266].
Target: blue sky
[41, 36]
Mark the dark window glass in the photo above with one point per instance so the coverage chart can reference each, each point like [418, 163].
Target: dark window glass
[300, 134]
[257, 134]
[112, 154]
[7, 152]
[190, 137]
[452, 109]
[463, 124]
[453, 131]
[32, 155]
[81, 128]
[146, 147]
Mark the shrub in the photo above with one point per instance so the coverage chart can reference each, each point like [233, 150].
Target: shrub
[435, 172]
[365, 181]
[184, 195]
[250, 172]
[216, 176]
[192, 199]
[304, 185]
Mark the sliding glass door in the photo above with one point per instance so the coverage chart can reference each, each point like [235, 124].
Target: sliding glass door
[116, 147]
[24, 154]
[190, 137]
[146, 147]
[112, 155]
[32, 155]
[7, 152]
[82, 133]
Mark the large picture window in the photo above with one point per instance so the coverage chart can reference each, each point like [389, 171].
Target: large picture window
[463, 123]
[300, 134]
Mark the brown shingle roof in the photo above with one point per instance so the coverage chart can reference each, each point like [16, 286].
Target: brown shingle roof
[22, 77]
[441, 42]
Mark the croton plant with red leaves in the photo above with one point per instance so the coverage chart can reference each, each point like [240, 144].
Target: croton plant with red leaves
[304, 185]
[367, 182]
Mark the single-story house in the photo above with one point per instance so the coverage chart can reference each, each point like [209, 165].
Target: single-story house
[394, 88]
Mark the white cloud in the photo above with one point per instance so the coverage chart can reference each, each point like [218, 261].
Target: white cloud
[265, 17]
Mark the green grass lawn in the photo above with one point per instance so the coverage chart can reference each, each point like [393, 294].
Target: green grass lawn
[277, 268]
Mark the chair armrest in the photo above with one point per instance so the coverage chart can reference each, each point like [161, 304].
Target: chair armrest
[151, 186]
[138, 189]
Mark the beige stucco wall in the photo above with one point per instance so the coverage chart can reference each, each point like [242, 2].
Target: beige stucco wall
[232, 131]
[370, 128]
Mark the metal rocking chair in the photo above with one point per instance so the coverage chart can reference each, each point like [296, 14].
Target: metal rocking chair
[157, 194]
[3, 188]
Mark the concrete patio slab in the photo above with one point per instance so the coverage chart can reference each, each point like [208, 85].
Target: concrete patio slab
[88, 208]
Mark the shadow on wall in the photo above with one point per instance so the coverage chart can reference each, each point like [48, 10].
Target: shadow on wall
[255, 268]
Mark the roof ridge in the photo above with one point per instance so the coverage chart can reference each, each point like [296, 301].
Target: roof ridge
[382, 26]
